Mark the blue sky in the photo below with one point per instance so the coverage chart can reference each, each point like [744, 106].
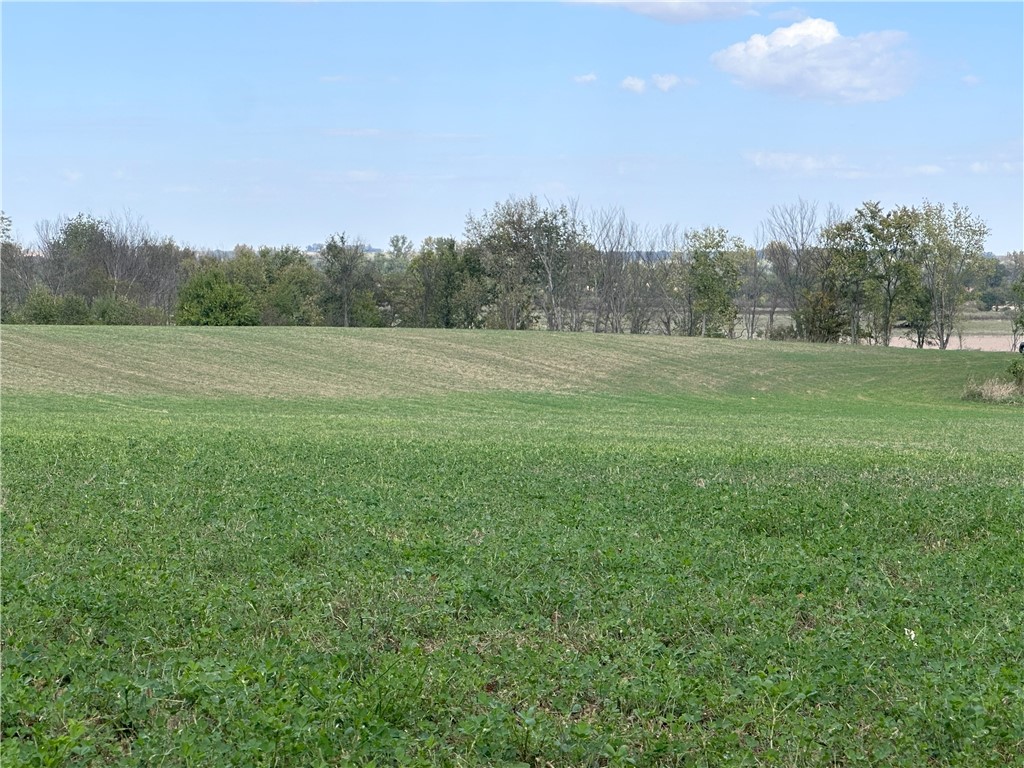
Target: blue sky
[280, 123]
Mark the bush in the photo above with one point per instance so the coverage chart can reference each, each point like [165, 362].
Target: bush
[1016, 371]
[72, 310]
[209, 299]
[117, 310]
[40, 308]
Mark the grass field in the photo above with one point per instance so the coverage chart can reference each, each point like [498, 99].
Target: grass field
[304, 547]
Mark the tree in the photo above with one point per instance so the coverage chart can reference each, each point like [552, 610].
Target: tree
[1018, 294]
[615, 239]
[294, 295]
[117, 257]
[561, 242]
[895, 265]
[347, 281]
[208, 298]
[73, 253]
[849, 244]
[398, 256]
[753, 282]
[18, 270]
[714, 277]
[505, 241]
[793, 231]
[953, 248]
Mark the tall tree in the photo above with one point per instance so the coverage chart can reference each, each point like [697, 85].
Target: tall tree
[1016, 260]
[615, 239]
[792, 231]
[714, 277]
[895, 265]
[504, 238]
[18, 270]
[347, 278]
[953, 249]
[561, 245]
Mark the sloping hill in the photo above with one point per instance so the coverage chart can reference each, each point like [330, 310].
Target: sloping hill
[333, 362]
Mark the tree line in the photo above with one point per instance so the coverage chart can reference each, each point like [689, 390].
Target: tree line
[812, 275]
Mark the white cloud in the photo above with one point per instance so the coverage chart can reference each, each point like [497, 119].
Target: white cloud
[336, 78]
[793, 162]
[355, 132]
[634, 84]
[665, 82]
[928, 169]
[997, 167]
[788, 14]
[812, 60]
[970, 80]
[685, 11]
[587, 78]
[72, 177]
[362, 176]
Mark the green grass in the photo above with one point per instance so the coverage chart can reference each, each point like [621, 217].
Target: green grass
[326, 547]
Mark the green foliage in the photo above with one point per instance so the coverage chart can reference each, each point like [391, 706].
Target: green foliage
[714, 278]
[73, 310]
[347, 276]
[118, 310]
[294, 295]
[41, 307]
[207, 298]
[822, 316]
[1016, 371]
[446, 286]
[1018, 294]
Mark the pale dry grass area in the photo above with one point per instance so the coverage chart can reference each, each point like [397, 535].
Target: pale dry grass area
[296, 363]
[305, 362]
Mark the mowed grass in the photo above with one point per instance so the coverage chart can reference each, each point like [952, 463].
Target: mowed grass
[328, 547]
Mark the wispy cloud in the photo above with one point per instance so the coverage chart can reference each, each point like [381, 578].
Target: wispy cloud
[788, 14]
[378, 133]
[795, 162]
[1001, 167]
[362, 176]
[685, 11]
[590, 77]
[337, 79]
[634, 84]
[72, 177]
[357, 133]
[835, 166]
[970, 80]
[812, 60]
[665, 82]
[181, 189]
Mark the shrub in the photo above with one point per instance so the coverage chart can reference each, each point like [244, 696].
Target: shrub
[72, 310]
[118, 310]
[209, 299]
[40, 308]
[1016, 371]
